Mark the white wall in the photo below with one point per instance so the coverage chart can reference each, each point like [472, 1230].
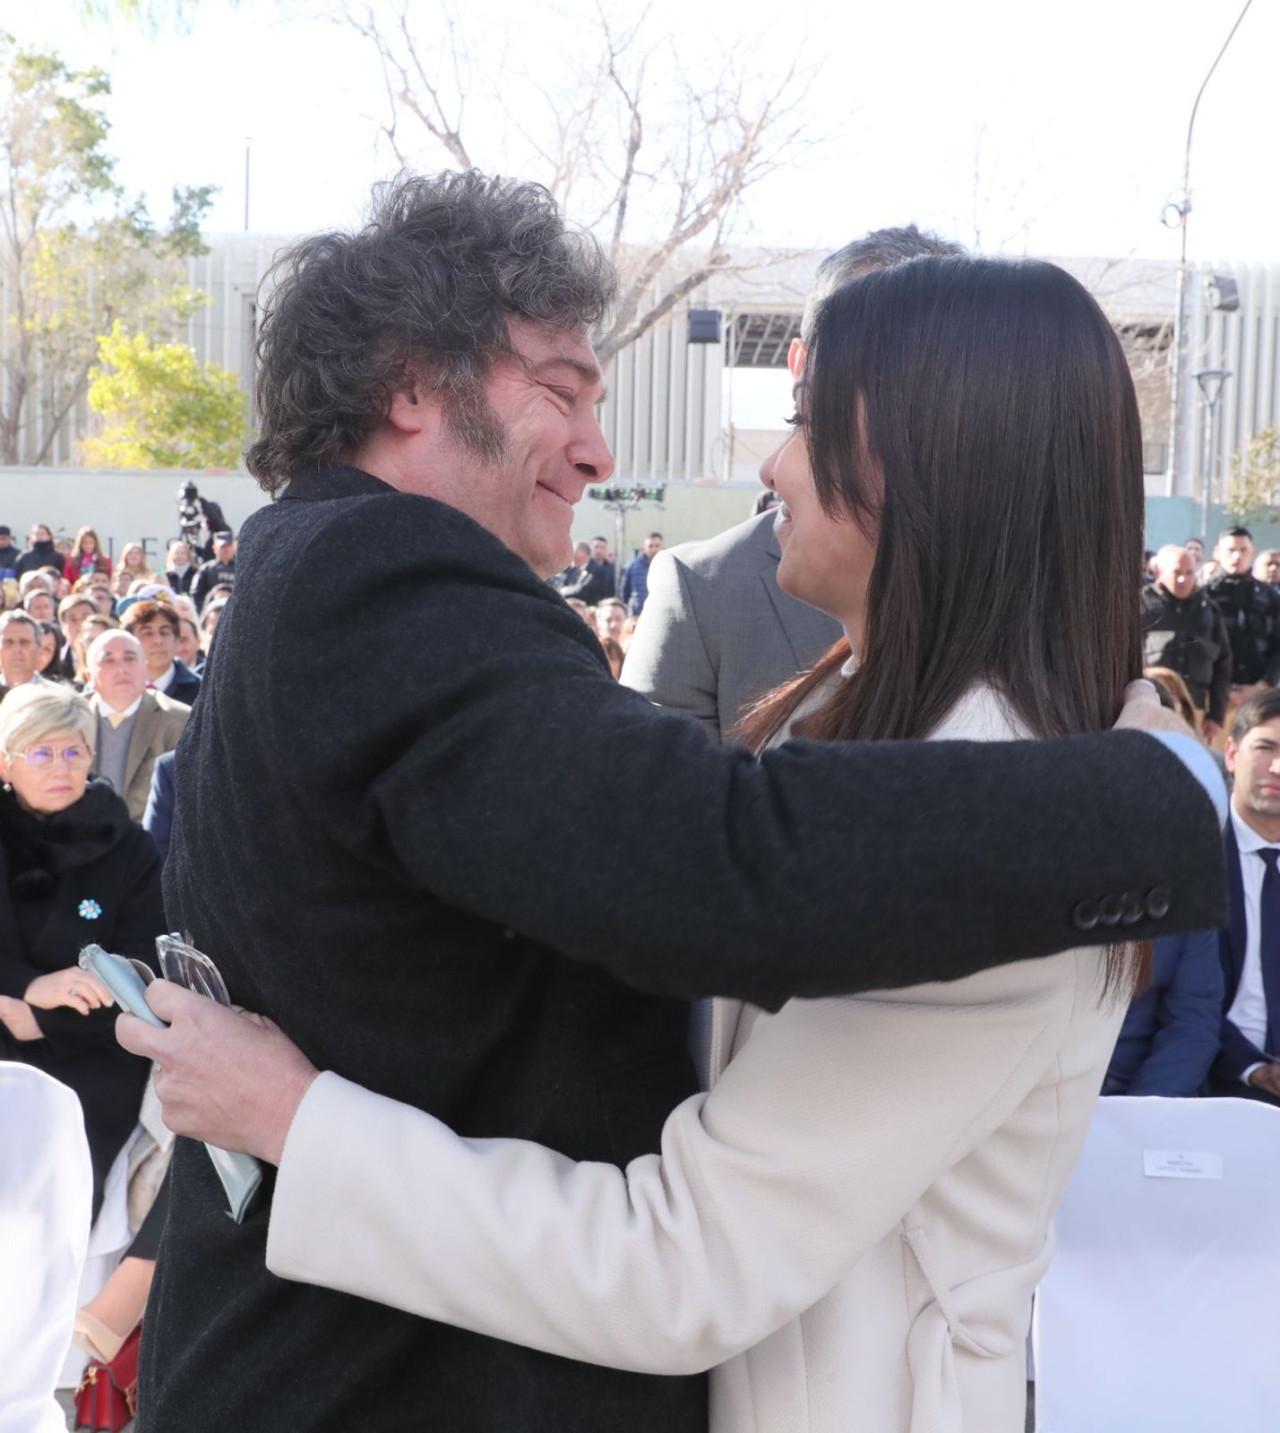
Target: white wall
[121, 506]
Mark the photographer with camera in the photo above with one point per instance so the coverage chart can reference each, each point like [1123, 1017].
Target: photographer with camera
[199, 520]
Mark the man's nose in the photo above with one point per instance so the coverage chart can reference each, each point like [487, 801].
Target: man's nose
[591, 455]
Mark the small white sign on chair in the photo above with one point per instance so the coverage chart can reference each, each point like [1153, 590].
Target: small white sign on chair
[1159, 1310]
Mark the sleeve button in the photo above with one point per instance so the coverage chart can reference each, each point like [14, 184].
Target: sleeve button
[1132, 908]
[1159, 900]
[1110, 910]
[1085, 916]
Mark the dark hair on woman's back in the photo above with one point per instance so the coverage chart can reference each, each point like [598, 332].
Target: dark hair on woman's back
[1002, 465]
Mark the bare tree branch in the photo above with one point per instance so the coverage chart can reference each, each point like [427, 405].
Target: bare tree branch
[656, 168]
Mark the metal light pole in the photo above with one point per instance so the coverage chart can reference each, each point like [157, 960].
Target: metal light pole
[1175, 215]
[1210, 381]
[248, 144]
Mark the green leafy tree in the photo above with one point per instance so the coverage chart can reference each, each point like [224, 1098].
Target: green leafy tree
[75, 253]
[160, 409]
[1254, 494]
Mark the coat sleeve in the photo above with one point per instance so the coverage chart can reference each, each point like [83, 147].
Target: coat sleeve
[480, 770]
[139, 919]
[1271, 673]
[1188, 1021]
[157, 819]
[1220, 683]
[824, 1131]
[1236, 1053]
[668, 660]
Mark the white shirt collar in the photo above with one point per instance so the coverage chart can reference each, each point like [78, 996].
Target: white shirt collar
[106, 710]
[1247, 839]
[162, 684]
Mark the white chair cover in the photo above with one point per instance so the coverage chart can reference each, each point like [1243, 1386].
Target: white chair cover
[46, 1191]
[1159, 1311]
[110, 1236]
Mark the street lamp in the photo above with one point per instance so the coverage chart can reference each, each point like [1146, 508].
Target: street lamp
[620, 500]
[1210, 381]
[1175, 216]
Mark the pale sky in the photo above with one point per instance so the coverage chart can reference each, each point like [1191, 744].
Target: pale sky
[1074, 115]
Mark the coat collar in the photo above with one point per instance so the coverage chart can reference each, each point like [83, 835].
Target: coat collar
[320, 484]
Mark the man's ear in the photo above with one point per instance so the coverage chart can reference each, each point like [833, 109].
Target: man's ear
[1229, 753]
[407, 413]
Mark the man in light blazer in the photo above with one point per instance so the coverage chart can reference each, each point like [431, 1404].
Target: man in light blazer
[717, 631]
[135, 726]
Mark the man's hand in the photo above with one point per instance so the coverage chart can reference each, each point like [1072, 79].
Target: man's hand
[1267, 1078]
[229, 1078]
[19, 1019]
[72, 987]
[1143, 711]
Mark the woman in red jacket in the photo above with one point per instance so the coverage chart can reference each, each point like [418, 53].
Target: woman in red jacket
[86, 556]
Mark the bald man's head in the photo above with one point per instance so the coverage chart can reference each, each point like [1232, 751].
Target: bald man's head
[1175, 570]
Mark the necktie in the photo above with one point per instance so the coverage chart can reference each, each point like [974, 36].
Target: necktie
[115, 718]
[1269, 911]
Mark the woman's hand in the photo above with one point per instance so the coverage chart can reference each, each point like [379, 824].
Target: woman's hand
[73, 987]
[1143, 711]
[232, 1079]
[19, 1019]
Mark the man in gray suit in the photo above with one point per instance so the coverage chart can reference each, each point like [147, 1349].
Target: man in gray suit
[717, 631]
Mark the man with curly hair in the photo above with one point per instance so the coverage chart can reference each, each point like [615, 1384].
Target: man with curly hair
[393, 859]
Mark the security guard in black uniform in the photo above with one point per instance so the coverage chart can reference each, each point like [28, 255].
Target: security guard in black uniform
[1251, 611]
[1184, 630]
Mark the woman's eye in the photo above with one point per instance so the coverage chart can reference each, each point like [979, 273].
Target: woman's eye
[795, 421]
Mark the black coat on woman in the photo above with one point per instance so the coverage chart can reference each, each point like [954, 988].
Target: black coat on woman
[87, 874]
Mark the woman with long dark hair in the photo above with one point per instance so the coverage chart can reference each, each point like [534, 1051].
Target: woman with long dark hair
[851, 1223]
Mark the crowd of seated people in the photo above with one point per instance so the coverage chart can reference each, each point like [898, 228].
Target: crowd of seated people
[132, 641]
[107, 654]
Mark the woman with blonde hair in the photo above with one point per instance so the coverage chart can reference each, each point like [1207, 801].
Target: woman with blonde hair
[73, 869]
[132, 566]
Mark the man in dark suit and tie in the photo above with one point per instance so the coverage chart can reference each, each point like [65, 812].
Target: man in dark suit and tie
[1249, 1062]
[388, 869]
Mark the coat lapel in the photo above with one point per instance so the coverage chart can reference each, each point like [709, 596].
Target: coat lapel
[144, 726]
[725, 1015]
[1231, 939]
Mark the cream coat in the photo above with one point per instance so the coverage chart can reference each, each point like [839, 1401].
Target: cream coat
[848, 1227]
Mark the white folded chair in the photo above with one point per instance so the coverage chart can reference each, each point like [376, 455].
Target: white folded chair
[1159, 1311]
[46, 1191]
[108, 1240]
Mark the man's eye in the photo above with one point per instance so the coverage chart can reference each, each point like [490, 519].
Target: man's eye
[565, 395]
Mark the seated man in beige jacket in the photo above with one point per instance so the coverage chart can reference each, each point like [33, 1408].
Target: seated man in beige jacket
[135, 725]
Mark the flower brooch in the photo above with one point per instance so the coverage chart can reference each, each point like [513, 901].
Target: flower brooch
[89, 910]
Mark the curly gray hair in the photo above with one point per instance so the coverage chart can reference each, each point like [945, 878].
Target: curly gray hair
[425, 288]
